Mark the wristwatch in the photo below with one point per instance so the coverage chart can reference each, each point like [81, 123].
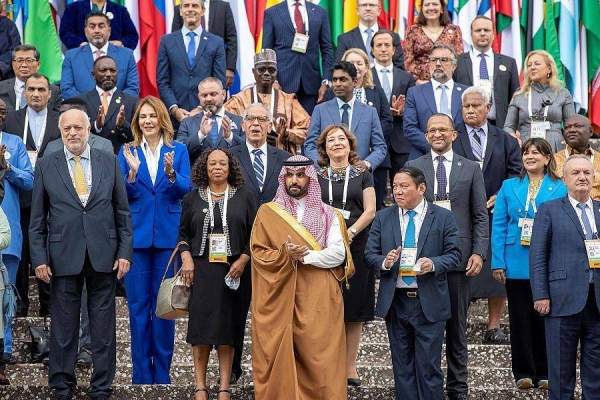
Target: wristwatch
[326, 82]
[353, 230]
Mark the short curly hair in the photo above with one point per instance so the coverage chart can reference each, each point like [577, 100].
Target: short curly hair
[200, 169]
[322, 145]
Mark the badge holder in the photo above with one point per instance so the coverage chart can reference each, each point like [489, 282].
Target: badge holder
[217, 248]
[592, 248]
[539, 129]
[33, 156]
[526, 230]
[408, 258]
[300, 43]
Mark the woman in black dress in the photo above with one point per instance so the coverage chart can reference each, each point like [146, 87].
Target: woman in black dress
[214, 235]
[350, 189]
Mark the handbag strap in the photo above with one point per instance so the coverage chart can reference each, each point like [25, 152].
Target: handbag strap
[176, 269]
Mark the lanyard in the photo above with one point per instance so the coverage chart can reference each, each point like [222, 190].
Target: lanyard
[533, 206]
[531, 112]
[88, 175]
[211, 208]
[403, 228]
[38, 144]
[345, 195]
[304, 20]
[272, 105]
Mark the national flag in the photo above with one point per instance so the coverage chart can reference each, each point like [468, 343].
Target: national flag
[538, 40]
[570, 52]
[245, 56]
[508, 25]
[383, 19]
[261, 6]
[590, 10]
[152, 26]
[335, 10]
[350, 15]
[14, 11]
[40, 32]
[405, 17]
[465, 11]
[551, 36]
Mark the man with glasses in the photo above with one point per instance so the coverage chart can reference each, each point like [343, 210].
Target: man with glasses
[290, 120]
[25, 62]
[440, 95]
[361, 36]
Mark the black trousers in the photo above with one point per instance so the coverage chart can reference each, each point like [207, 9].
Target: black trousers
[456, 332]
[527, 333]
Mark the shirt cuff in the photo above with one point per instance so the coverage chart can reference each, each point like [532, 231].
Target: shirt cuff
[383, 267]
[201, 137]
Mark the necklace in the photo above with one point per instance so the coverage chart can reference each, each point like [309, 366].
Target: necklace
[534, 188]
[218, 194]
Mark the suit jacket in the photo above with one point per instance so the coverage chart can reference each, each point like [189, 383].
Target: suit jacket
[502, 159]
[353, 40]
[275, 159]
[506, 80]
[438, 241]
[507, 252]
[468, 201]
[370, 142]
[156, 208]
[294, 67]
[177, 81]
[188, 134]
[402, 82]
[72, 24]
[10, 39]
[558, 262]
[117, 136]
[7, 93]
[420, 105]
[220, 23]
[79, 63]
[62, 231]
[95, 142]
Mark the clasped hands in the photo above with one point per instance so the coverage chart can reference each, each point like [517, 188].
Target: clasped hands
[296, 251]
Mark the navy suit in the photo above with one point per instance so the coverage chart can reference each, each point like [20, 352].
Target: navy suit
[300, 73]
[420, 105]
[177, 80]
[559, 271]
[353, 39]
[415, 336]
[188, 134]
[78, 65]
[72, 24]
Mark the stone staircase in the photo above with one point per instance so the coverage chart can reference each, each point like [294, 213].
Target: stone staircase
[490, 376]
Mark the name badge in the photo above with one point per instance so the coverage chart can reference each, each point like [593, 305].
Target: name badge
[217, 251]
[345, 213]
[592, 247]
[486, 85]
[300, 43]
[444, 204]
[33, 155]
[480, 163]
[539, 128]
[408, 258]
[526, 230]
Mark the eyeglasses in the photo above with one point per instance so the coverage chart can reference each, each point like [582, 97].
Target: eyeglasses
[251, 118]
[28, 61]
[443, 131]
[270, 70]
[443, 60]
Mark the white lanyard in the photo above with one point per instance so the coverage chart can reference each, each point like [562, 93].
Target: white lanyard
[88, 175]
[272, 105]
[403, 228]
[303, 20]
[531, 112]
[345, 195]
[533, 206]
[38, 144]
[211, 208]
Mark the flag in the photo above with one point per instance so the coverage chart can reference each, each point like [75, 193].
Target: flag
[570, 52]
[538, 40]
[245, 55]
[405, 17]
[465, 12]
[551, 36]
[152, 26]
[261, 6]
[508, 25]
[350, 15]
[383, 19]
[590, 10]
[335, 10]
[14, 11]
[40, 32]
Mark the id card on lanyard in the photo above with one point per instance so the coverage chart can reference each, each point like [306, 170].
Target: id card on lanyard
[538, 128]
[526, 223]
[217, 248]
[408, 255]
[33, 154]
[300, 42]
[345, 213]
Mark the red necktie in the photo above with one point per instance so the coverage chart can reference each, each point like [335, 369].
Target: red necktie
[298, 18]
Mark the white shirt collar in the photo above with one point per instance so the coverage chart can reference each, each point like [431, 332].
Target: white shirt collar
[418, 209]
[363, 28]
[476, 53]
[33, 113]
[436, 84]
[20, 83]
[449, 155]
[198, 31]
[350, 102]
[146, 146]
[292, 3]
[263, 148]
[103, 48]
[484, 127]
[85, 154]
[379, 67]
[589, 203]
[101, 91]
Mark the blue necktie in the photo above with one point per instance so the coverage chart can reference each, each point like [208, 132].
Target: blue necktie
[483, 69]
[588, 230]
[368, 44]
[259, 167]
[191, 50]
[346, 115]
[213, 135]
[409, 241]
[476, 144]
[444, 100]
[440, 175]
[386, 83]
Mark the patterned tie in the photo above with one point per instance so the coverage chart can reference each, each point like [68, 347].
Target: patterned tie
[386, 83]
[477, 145]
[213, 135]
[298, 18]
[191, 50]
[345, 115]
[483, 69]
[23, 100]
[440, 175]
[259, 167]
[409, 240]
[105, 101]
[97, 54]
[444, 100]
[79, 177]
[588, 230]
[368, 44]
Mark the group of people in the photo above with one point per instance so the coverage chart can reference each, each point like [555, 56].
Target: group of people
[277, 200]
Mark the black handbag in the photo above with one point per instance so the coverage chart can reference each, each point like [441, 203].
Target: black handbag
[40, 342]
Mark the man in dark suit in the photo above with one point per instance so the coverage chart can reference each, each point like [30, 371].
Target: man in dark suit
[110, 109]
[499, 157]
[299, 33]
[457, 184]
[495, 72]
[26, 62]
[344, 109]
[221, 23]
[185, 57]
[72, 23]
[81, 231]
[565, 284]
[361, 36]
[213, 127]
[440, 95]
[412, 246]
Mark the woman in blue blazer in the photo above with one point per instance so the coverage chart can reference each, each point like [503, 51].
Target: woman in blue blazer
[156, 170]
[514, 211]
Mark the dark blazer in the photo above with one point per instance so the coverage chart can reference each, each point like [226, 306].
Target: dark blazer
[506, 80]
[275, 159]
[188, 134]
[177, 80]
[10, 39]
[420, 105]
[62, 231]
[294, 67]
[220, 23]
[502, 159]
[438, 241]
[7, 93]
[353, 40]
[95, 142]
[15, 124]
[117, 136]
[468, 201]
[402, 82]
[72, 24]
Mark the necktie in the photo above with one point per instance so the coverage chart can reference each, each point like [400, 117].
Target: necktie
[440, 175]
[79, 177]
[97, 54]
[368, 44]
[409, 240]
[191, 50]
[259, 167]
[483, 69]
[22, 100]
[298, 18]
[386, 83]
[588, 230]
[444, 100]
[105, 101]
[213, 135]
[345, 115]
[95, 7]
[477, 145]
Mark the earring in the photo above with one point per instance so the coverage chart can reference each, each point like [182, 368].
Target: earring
[548, 75]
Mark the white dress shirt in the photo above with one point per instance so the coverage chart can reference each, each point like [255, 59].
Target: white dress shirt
[37, 123]
[302, 8]
[186, 39]
[103, 49]
[363, 31]
[390, 74]
[19, 89]
[449, 155]
[437, 92]
[489, 60]
[263, 156]
[152, 158]
[219, 121]
[340, 103]
[589, 210]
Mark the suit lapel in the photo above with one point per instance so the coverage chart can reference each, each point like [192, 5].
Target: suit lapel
[51, 122]
[97, 167]
[520, 187]
[573, 215]
[457, 165]
[492, 139]
[357, 38]
[425, 228]
[397, 85]
[428, 171]
[334, 112]
[143, 172]
[396, 226]
[201, 46]
[94, 99]
[270, 172]
[312, 21]
[244, 157]
[357, 112]
[11, 92]
[596, 210]
[284, 15]
[497, 63]
[179, 43]
[464, 141]
[114, 106]
[63, 171]
[456, 102]
[160, 172]
[468, 67]
[88, 57]
[429, 97]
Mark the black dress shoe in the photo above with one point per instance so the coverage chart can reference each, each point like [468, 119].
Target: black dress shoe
[458, 396]
[84, 358]
[354, 382]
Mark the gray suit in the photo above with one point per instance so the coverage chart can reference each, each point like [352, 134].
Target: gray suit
[95, 142]
[468, 201]
[7, 93]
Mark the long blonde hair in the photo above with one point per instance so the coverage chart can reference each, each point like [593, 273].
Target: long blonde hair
[368, 78]
[553, 80]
